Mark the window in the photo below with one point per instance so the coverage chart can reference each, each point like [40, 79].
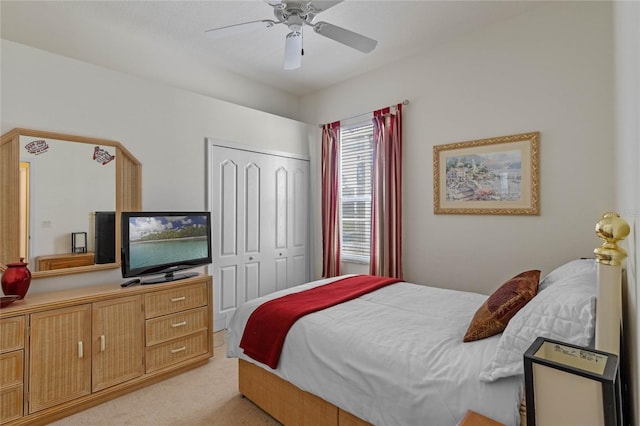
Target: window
[356, 164]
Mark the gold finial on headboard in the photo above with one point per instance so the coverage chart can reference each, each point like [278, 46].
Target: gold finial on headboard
[611, 228]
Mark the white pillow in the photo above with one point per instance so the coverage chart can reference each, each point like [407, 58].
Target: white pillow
[565, 311]
[567, 270]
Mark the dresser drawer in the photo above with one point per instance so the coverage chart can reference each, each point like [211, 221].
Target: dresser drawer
[164, 354]
[174, 300]
[10, 403]
[11, 368]
[63, 261]
[11, 334]
[169, 327]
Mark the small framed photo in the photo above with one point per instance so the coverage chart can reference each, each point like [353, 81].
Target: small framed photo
[495, 176]
[78, 242]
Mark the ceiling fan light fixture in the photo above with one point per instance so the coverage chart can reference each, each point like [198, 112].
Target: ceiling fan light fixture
[296, 14]
[293, 50]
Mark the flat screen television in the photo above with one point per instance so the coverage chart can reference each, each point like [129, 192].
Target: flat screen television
[163, 243]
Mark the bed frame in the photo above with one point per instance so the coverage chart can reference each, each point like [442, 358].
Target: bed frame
[292, 406]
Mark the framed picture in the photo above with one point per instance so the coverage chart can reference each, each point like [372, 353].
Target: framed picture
[488, 176]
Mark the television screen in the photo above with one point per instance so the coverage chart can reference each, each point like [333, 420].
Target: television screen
[164, 242]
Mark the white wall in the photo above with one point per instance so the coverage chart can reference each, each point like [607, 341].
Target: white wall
[163, 127]
[549, 70]
[627, 64]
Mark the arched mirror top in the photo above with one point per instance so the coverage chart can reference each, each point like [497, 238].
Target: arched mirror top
[61, 200]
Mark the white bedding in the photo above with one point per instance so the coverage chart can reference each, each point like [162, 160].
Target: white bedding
[392, 357]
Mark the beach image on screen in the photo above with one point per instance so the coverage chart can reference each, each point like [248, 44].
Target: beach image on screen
[167, 239]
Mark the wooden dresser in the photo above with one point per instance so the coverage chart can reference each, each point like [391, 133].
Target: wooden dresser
[62, 352]
[63, 261]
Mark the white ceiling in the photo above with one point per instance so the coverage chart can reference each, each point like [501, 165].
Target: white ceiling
[140, 37]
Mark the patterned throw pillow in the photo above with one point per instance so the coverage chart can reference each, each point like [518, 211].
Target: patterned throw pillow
[565, 311]
[494, 314]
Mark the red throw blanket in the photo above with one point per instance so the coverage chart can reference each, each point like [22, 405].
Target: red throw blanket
[269, 324]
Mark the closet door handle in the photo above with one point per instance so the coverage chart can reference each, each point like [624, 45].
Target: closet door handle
[102, 343]
[178, 299]
[80, 349]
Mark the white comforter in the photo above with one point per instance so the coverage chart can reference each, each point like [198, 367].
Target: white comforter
[392, 357]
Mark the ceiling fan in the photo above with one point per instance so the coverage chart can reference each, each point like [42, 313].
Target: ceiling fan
[295, 15]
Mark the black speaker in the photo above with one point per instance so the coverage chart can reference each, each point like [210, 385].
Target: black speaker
[105, 237]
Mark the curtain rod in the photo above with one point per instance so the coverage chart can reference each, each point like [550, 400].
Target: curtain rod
[405, 102]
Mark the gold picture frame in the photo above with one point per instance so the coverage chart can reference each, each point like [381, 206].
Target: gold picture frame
[494, 176]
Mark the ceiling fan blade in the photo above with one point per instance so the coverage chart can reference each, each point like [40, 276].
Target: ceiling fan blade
[239, 28]
[344, 36]
[320, 5]
[293, 51]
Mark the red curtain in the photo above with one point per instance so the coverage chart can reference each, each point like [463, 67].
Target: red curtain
[386, 205]
[330, 200]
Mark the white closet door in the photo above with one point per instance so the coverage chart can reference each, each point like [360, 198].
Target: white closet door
[287, 224]
[299, 225]
[260, 225]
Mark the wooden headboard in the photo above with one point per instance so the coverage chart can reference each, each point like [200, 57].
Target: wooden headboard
[611, 229]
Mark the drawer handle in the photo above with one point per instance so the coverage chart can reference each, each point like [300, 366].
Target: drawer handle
[178, 299]
[80, 349]
[175, 351]
[180, 324]
[102, 343]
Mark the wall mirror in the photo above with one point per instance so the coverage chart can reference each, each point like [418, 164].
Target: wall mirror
[61, 201]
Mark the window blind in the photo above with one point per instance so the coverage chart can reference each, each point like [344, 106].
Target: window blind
[356, 163]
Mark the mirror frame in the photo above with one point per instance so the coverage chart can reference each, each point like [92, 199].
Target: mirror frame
[128, 194]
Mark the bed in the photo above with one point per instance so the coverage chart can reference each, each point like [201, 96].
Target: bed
[396, 355]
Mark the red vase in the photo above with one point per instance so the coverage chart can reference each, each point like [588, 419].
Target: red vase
[16, 279]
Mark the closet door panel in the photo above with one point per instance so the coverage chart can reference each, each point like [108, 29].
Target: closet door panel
[228, 224]
[281, 273]
[227, 285]
[252, 209]
[282, 201]
[300, 203]
[252, 280]
[298, 269]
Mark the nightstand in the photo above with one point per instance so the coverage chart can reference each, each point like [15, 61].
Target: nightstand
[471, 418]
[571, 385]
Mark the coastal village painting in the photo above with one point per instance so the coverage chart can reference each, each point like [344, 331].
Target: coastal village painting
[487, 176]
[494, 176]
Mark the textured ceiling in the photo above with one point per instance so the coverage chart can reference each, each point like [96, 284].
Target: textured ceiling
[146, 38]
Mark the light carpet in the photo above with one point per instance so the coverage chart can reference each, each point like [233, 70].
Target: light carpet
[207, 395]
